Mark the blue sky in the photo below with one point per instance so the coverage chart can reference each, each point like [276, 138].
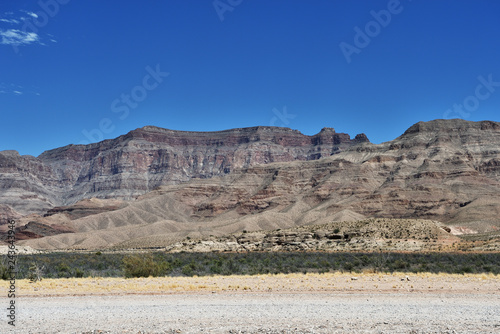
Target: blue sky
[75, 71]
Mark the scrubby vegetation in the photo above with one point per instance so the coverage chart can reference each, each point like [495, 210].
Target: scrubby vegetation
[55, 265]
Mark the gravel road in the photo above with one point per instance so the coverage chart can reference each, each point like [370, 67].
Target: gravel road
[259, 313]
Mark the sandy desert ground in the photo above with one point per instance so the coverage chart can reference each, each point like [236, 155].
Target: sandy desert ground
[294, 303]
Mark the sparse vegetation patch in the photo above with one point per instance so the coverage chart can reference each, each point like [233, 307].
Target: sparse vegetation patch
[65, 265]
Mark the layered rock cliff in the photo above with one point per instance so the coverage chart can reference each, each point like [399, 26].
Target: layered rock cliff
[146, 158]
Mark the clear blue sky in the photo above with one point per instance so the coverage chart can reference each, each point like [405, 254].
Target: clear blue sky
[84, 67]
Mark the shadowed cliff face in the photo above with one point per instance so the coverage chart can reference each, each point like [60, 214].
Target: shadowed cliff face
[146, 158]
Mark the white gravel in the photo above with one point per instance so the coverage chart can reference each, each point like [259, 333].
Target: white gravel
[259, 313]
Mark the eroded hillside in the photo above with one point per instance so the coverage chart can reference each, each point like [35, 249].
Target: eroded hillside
[444, 170]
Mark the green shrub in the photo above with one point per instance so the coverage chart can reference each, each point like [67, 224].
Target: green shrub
[188, 269]
[400, 264]
[63, 268]
[466, 269]
[4, 271]
[144, 265]
[348, 266]
[79, 273]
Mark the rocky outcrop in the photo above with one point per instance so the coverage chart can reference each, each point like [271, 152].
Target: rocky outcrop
[86, 207]
[34, 230]
[149, 157]
[364, 235]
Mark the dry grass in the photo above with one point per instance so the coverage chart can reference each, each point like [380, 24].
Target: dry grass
[329, 282]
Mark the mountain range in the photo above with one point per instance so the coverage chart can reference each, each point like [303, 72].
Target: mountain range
[154, 187]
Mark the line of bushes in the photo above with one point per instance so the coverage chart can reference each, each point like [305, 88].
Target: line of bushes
[55, 265]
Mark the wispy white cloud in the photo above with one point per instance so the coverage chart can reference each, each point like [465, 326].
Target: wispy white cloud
[13, 29]
[11, 92]
[30, 14]
[51, 38]
[18, 37]
[11, 21]
[17, 90]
